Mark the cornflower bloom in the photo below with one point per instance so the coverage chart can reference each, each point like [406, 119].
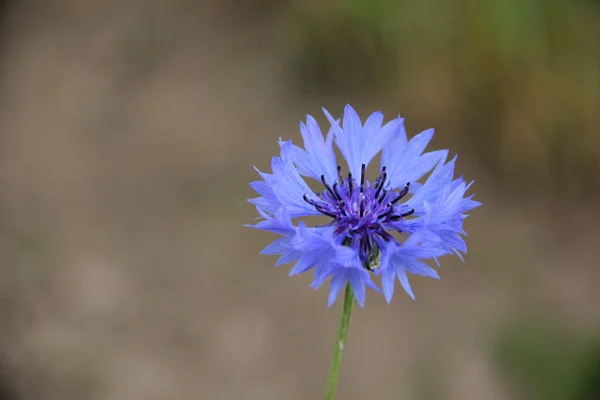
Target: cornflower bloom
[382, 228]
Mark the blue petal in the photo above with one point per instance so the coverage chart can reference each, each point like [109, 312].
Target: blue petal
[404, 160]
[395, 128]
[319, 249]
[397, 260]
[373, 138]
[353, 274]
[419, 142]
[306, 262]
[288, 257]
[430, 191]
[263, 188]
[279, 223]
[277, 247]
[349, 140]
[284, 187]
[336, 285]
[404, 282]
[289, 188]
[317, 158]
[388, 279]
[418, 267]
[360, 144]
[440, 215]
[358, 286]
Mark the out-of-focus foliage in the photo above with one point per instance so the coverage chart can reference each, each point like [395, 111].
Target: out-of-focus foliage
[546, 363]
[520, 80]
[341, 45]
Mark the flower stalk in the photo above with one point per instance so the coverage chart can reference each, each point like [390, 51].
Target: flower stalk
[338, 348]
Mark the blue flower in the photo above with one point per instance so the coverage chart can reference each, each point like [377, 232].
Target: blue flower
[387, 227]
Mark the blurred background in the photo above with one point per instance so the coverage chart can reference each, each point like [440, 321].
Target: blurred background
[128, 134]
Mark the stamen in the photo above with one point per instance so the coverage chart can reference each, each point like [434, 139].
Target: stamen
[309, 201]
[378, 180]
[322, 211]
[399, 217]
[385, 236]
[380, 186]
[401, 194]
[318, 207]
[362, 207]
[339, 172]
[335, 190]
[388, 212]
[350, 186]
[382, 197]
[406, 214]
[327, 186]
[341, 206]
[362, 177]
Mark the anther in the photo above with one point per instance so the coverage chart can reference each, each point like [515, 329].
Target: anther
[385, 236]
[362, 177]
[309, 201]
[339, 172]
[410, 212]
[388, 212]
[341, 204]
[383, 171]
[381, 183]
[362, 207]
[382, 197]
[406, 214]
[322, 211]
[402, 193]
[350, 186]
[327, 186]
[335, 190]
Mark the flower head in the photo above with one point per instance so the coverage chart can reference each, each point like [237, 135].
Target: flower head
[385, 227]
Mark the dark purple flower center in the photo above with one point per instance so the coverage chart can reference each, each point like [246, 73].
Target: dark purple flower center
[362, 212]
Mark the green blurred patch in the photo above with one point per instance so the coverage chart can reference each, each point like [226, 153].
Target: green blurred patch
[342, 45]
[545, 362]
[520, 79]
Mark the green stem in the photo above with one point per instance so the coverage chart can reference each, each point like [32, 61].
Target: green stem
[338, 349]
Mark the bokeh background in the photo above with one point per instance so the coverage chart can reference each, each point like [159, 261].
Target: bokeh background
[128, 134]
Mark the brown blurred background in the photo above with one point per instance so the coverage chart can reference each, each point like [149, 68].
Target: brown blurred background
[128, 133]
